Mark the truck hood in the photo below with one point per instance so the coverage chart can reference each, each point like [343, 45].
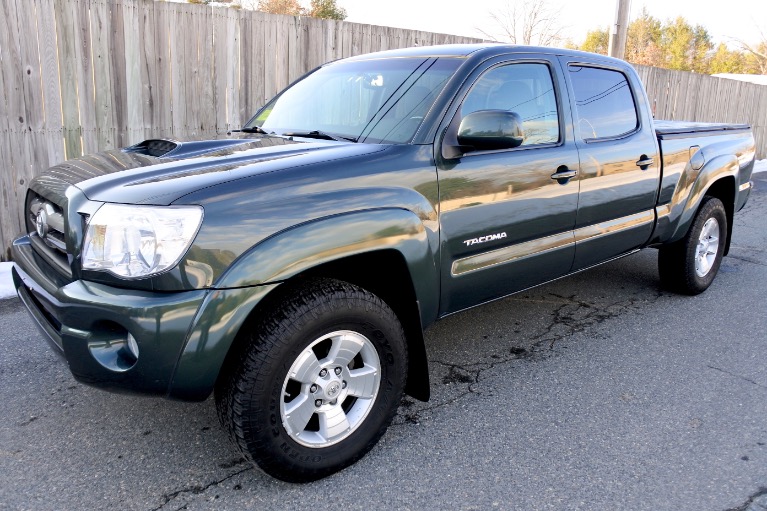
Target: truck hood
[162, 171]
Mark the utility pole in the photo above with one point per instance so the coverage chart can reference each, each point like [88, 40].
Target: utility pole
[619, 32]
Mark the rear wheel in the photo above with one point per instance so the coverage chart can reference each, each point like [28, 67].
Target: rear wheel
[320, 382]
[689, 265]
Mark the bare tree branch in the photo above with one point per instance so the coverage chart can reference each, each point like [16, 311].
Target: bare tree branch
[529, 23]
[759, 51]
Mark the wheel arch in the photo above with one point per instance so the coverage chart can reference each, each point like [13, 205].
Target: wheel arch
[395, 288]
[387, 252]
[715, 179]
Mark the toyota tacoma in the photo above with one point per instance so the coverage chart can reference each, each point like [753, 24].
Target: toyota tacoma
[290, 267]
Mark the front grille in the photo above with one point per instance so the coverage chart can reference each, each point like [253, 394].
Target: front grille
[46, 227]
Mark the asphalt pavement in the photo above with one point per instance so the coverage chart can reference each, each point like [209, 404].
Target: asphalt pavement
[598, 391]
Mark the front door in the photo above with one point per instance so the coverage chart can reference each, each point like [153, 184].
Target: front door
[506, 223]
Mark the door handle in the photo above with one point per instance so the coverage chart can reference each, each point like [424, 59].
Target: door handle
[563, 174]
[644, 162]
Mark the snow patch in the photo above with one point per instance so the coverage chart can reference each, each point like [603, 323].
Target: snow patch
[6, 282]
[760, 166]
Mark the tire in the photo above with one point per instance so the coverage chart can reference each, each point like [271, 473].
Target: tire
[689, 265]
[319, 383]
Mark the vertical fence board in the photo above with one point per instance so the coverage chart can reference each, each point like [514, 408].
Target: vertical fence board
[5, 163]
[206, 116]
[150, 88]
[233, 71]
[6, 229]
[85, 78]
[66, 31]
[33, 143]
[270, 58]
[162, 115]
[191, 72]
[281, 49]
[221, 46]
[101, 34]
[49, 73]
[294, 26]
[117, 66]
[248, 66]
[177, 62]
[18, 125]
[135, 89]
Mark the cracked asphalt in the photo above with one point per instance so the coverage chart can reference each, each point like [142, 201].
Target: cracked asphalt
[598, 391]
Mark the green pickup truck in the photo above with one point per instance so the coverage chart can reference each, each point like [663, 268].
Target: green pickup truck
[290, 267]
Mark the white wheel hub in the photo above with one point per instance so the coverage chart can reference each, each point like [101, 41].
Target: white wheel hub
[708, 246]
[330, 388]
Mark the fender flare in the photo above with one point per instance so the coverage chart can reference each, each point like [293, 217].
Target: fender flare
[687, 198]
[286, 254]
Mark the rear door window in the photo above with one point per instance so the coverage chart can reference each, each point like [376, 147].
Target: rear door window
[604, 104]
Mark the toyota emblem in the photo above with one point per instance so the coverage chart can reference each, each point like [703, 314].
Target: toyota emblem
[41, 223]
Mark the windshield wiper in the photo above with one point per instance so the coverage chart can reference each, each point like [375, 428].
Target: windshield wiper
[317, 134]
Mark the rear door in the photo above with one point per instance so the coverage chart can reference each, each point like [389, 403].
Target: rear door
[620, 164]
[506, 224]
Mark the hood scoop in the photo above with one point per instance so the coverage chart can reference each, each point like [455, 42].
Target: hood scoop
[174, 149]
[181, 150]
[156, 148]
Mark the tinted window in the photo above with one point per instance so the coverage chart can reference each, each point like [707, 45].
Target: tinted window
[526, 89]
[380, 100]
[604, 104]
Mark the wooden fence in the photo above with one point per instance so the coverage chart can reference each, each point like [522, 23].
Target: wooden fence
[78, 76]
[683, 96]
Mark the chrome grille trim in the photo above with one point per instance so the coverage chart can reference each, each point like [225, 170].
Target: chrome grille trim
[54, 236]
[52, 245]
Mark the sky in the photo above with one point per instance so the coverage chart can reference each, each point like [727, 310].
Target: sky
[741, 19]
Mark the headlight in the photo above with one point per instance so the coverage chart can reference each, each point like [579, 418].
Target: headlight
[137, 241]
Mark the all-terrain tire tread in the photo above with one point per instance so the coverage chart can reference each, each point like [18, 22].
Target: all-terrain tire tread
[234, 394]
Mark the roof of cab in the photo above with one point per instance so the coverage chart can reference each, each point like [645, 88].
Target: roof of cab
[466, 50]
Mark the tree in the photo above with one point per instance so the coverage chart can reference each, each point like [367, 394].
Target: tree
[288, 7]
[327, 9]
[520, 22]
[676, 44]
[597, 41]
[756, 56]
[685, 47]
[643, 45]
[756, 59]
[725, 60]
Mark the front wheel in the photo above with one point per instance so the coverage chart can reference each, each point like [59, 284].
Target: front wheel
[689, 265]
[320, 383]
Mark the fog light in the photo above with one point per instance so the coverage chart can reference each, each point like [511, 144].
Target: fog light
[113, 347]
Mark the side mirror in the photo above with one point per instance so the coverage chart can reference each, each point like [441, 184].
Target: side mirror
[486, 130]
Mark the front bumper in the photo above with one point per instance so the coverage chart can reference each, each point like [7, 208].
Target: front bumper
[89, 324]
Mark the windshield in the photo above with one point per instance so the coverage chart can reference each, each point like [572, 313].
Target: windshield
[373, 100]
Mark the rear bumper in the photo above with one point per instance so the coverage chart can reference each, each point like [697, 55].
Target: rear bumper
[88, 323]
